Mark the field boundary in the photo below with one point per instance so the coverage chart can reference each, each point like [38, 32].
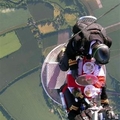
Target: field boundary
[20, 77]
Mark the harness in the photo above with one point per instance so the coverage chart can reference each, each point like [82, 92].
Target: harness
[92, 32]
[92, 29]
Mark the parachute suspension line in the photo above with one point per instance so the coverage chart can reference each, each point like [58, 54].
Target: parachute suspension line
[96, 19]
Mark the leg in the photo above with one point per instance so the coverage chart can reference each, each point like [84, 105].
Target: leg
[63, 60]
[104, 97]
[105, 102]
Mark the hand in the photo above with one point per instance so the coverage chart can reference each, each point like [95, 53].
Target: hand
[75, 73]
[77, 94]
[78, 117]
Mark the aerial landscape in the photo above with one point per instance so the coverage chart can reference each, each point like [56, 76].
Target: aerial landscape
[29, 30]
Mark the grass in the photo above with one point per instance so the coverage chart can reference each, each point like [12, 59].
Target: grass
[24, 100]
[16, 1]
[13, 18]
[49, 41]
[110, 18]
[47, 50]
[2, 117]
[113, 66]
[9, 44]
[61, 4]
[37, 13]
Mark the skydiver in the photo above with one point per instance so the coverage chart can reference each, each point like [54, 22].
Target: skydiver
[86, 44]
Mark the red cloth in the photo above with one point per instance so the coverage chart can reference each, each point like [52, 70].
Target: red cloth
[71, 81]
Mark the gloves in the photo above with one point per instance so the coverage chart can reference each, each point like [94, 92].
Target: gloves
[75, 73]
[77, 94]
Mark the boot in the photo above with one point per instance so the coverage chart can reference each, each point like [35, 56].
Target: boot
[104, 98]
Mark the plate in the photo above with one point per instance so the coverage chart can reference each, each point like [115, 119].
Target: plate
[89, 90]
[86, 79]
[88, 67]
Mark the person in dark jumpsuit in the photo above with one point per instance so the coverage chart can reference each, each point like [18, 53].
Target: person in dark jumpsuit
[86, 43]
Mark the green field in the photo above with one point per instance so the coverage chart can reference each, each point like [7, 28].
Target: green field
[8, 44]
[16, 1]
[113, 69]
[11, 18]
[2, 117]
[61, 4]
[36, 11]
[110, 18]
[21, 61]
[24, 100]
[113, 66]
[49, 40]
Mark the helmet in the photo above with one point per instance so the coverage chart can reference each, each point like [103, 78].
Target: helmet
[101, 53]
[80, 24]
[87, 19]
[82, 19]
[76, 29]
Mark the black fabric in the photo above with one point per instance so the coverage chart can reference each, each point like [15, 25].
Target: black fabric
[108, 41]
[104, 94]
[94, 28]
[96, 37]
[70, 99]
[72, 115]
[73, 49]
[81, 47]
[63, 63]
[95, 32]
[76, 29]
[74, 73]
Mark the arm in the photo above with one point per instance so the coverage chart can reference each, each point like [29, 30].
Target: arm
[71, 54]
[108, 41]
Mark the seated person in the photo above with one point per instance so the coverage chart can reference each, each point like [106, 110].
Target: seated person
[74, 102]
[86, 44]
[74, 94]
